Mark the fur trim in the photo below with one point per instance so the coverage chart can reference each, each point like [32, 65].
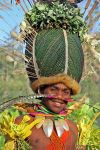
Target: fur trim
[60, 78]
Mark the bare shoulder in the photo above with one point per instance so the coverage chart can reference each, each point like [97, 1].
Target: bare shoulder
[72, 126]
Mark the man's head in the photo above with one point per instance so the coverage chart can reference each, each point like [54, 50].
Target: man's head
[59, 93]
[59, 87]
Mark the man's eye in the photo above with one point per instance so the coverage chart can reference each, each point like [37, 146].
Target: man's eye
[53, 89]
[66, 92]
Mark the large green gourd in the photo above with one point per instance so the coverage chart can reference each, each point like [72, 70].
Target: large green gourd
[50, 54]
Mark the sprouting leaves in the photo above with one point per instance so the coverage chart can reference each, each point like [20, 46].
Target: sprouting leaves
[56, 15]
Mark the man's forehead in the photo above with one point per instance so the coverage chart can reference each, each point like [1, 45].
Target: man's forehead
[59, 85]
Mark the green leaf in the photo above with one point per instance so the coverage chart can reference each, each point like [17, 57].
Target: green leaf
[40, 7]
[2, 142]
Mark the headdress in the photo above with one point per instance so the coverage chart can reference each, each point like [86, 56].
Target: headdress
[56, 54]
[53, 32]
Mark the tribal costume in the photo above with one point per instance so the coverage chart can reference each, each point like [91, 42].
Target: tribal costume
[61, 133]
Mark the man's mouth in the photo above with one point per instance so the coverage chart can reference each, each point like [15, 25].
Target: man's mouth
[58, 102]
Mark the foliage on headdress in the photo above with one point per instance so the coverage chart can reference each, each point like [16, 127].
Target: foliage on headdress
[55, 15]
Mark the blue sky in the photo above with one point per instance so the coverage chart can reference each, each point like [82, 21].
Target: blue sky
[14, 15]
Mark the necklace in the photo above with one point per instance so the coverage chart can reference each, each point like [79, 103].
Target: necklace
[58, 122]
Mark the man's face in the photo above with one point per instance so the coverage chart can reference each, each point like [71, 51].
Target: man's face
[60, 93]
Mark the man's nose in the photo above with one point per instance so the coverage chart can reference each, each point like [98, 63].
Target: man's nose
[59, 95]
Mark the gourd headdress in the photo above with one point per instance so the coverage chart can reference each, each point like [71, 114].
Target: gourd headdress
[56, 54]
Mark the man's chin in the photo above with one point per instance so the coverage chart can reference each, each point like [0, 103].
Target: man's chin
[56, 111]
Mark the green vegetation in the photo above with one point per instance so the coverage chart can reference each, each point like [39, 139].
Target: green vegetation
[55, 15]
[87, 119]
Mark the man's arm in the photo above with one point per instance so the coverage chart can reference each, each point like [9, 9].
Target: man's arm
[73, 135]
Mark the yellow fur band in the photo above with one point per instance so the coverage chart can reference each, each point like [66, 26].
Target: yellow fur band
[60, 78]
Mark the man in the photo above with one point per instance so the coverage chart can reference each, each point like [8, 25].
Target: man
[53, 107]
[54, 64]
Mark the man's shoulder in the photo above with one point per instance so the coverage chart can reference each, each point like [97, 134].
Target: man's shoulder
[71, 122]
[72, 125]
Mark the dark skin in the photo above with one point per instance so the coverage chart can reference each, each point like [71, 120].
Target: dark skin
[60, 93]
[38, 139]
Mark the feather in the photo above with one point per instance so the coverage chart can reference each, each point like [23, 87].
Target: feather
[28, 99]
[25, 5]
[29, 2]
[87, 4]
[92, 9]
[22, 8]
[5, 6]
[94, 20]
